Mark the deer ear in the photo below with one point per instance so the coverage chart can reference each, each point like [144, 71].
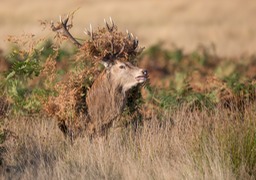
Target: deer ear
[106, 63]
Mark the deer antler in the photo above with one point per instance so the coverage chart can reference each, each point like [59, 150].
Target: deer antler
[106, 43]
[89, 32]
[62, 28]
[113, 54]
[135, 40]
[110, 28]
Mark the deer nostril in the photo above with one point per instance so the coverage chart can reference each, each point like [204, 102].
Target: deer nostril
[144, 72]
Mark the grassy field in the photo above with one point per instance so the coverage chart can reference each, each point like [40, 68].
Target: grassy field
[194, 145]
[195, 119]
[227, 24]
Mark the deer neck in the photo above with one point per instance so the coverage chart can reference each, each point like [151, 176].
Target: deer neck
[105, 100]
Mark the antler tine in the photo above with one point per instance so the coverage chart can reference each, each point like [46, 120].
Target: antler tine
[132, 35]
[135, 43]
[135, 40]
[62, 29]
[86, 31]
[112, 22]
[89, 32]
[106, 24]
[60, 18]
[65, 22]
[110, 28]
[128, 34]
[121, 51]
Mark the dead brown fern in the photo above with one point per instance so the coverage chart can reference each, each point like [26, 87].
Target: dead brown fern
[4, 106]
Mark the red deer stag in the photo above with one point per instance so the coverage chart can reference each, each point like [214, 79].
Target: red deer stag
[106, 98]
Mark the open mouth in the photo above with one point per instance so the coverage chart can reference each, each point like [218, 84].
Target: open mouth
[141, 78]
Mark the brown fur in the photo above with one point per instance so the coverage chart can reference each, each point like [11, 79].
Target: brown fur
[105, 102]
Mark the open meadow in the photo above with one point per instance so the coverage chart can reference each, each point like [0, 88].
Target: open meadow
[191, 115]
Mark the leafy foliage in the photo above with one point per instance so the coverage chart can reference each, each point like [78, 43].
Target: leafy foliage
[197, 79]
[23, 84]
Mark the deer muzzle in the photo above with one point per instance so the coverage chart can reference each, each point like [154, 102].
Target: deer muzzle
[143, 77]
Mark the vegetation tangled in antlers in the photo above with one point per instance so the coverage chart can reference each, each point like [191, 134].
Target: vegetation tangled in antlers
[106, 43]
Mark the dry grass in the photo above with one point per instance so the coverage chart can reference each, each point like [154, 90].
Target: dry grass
[227, 24]
[184, 145]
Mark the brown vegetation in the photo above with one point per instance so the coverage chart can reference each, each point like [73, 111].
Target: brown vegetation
[192, 145]
[4, 65]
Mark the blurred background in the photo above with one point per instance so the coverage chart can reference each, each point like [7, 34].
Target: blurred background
[228, 24]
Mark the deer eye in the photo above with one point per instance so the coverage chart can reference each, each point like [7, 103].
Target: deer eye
[122, 67]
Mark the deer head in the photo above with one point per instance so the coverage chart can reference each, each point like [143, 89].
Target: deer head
[124, 74]
[107, 97]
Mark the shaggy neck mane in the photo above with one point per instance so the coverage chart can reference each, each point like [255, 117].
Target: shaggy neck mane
[105, 101]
